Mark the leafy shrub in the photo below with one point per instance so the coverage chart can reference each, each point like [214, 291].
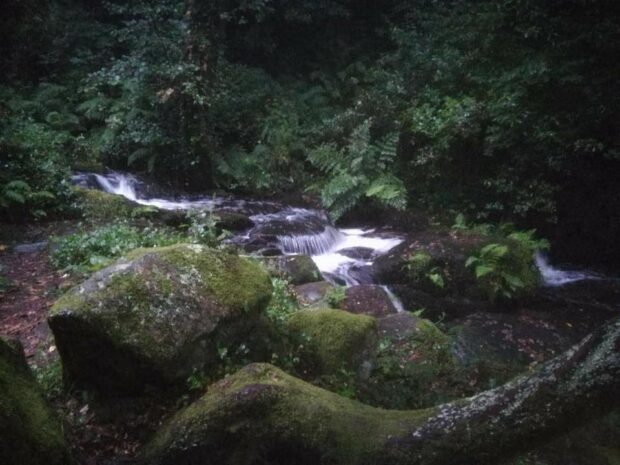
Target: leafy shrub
[335, 295]
[506, 270]
[283, 302]
[419, 268]
[90, 251]
[34, 168]
[203, 228]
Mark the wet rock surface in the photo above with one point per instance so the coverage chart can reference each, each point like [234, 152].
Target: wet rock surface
[296, 269]
[312, 293]
[368, 300]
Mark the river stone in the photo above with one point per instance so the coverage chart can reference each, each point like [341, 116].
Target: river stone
[296, 269]
[516, 339]
[368, 299]
[312, 293]
[358, 253]
[333, 340]
[157, 315]
[29, 432]
[398, 326]
[448, 252]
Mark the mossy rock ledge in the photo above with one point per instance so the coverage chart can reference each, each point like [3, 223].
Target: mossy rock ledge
[29, 432]
[156, 315]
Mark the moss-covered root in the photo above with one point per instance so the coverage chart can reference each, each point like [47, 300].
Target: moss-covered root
[29, 433]
[262, 415]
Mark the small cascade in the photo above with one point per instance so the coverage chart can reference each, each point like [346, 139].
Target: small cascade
[555, 277]
[119, 184]
[398, 305]
[312, 244]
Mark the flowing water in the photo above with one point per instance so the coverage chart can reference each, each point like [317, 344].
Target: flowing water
[555, 277]
[343, 256]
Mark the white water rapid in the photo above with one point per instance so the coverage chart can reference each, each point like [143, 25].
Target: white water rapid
[555, 277]
[343, 256]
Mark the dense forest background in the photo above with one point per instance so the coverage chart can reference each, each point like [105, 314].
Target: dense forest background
[500, 110]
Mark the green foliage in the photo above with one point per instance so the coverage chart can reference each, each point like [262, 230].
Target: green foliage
[90, 251]
[203, 228]
[283, 303]
[335, 295]
[413, 373]
[49, 377]
[34, 147]
[359, 170]
[506, 270]
[419, 267]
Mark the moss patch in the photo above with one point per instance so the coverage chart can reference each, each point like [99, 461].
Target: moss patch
[288, 420]
[29, 432]
[334, 339]
[99, 206]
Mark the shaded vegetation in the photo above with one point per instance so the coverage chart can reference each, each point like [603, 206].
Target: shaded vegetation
[502, 110]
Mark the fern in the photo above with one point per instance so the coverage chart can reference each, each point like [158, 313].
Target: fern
[360, 169]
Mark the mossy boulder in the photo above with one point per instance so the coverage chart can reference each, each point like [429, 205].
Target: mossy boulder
[263, 415]
[296, 269]
[101, 207]
[29, 432]
[157, 315]
[334, 339]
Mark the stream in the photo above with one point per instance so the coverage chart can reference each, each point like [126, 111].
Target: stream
[343, 255]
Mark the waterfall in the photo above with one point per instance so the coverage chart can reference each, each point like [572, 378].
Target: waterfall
[312, 244]
[119, 184]
[398, 305]
[555, 277]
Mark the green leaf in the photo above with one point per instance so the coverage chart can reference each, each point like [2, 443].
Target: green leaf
[483, 270]
[437, 280]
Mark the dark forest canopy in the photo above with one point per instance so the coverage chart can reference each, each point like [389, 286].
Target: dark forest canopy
[502, 110]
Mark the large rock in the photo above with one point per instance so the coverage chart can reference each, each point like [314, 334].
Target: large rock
[443, 255]
[156, 316]
[29, 432]
[296, 269]
[99, 206]
[334, 340]
[368, 299]
[313, 294]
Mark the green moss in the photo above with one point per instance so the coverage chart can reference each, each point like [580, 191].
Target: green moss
[29, 433]
[99, 206]
[161, 312]
[288, 418]
[236, 282]
[334, 339]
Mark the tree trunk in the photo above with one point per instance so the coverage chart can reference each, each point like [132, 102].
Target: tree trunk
[262, 415]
